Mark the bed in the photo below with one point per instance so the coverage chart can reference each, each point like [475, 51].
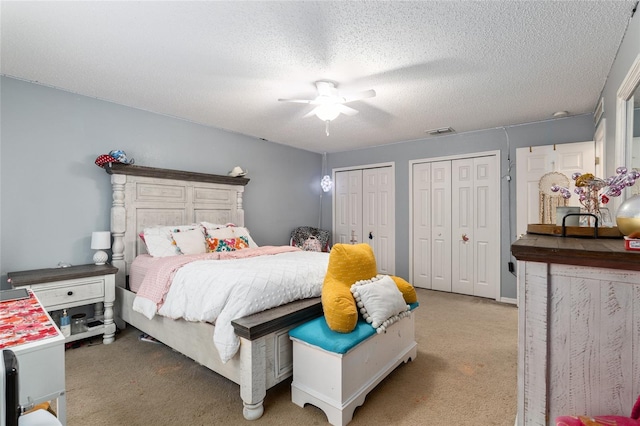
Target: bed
[145, 196]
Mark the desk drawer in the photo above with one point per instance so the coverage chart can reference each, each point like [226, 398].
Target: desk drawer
[68, 294]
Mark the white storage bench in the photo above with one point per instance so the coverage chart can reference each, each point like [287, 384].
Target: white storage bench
[335, 371]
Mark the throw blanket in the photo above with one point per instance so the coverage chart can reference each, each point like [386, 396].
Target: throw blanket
[220, 287]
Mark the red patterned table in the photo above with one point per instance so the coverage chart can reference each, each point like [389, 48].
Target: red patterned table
[27, 329]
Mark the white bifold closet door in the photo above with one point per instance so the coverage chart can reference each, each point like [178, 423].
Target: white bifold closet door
[364, 212]
[474, 226]
[456, 226]
[432, 182]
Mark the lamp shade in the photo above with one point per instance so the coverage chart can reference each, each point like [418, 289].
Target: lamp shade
[327, 112]
[100, 240]
[326, 183]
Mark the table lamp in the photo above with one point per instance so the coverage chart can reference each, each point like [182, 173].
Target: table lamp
[100, 241]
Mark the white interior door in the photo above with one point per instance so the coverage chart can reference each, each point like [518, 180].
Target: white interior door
[533, 162]
[441, 225]
[474, 224]
[378, 209]
[421, 225]
[462, 226]
[347, 211]
[364, 212]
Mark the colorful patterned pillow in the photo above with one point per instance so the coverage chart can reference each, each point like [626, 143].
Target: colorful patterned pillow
[228, 232]
[226, 244]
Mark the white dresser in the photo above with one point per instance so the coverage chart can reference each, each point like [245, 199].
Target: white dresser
[579, 328]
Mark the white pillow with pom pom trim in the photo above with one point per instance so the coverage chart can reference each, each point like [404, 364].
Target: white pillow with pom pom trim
[380, 302]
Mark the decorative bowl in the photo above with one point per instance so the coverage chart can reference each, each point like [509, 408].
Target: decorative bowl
[628, 215]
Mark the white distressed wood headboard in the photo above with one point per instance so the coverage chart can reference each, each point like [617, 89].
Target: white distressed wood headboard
[147, 196]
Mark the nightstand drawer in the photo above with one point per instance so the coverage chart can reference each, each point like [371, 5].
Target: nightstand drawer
[67, 294]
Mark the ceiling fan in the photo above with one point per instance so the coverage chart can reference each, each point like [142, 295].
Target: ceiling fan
[331, 102]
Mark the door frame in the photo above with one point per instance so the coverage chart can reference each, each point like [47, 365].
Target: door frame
[495, 153]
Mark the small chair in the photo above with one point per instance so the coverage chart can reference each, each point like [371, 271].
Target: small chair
[11, 412]
[300, 234]
[632, 420]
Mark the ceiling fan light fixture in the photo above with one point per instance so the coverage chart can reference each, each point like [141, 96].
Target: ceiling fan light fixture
[327, 112]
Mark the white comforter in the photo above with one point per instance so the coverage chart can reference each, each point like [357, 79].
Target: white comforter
[223, 290]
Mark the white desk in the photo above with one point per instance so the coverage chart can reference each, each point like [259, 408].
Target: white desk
[41, 368]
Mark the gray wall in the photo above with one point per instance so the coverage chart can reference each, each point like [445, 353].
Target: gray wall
[565, 130]
[53, 195]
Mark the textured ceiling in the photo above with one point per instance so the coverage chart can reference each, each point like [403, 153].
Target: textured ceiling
[465, 65]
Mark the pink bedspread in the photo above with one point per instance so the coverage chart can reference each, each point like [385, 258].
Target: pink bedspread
[158, 279]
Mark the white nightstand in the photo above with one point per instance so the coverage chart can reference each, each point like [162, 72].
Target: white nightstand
[64, 288]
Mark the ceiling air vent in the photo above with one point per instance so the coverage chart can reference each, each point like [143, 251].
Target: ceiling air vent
[440, 131]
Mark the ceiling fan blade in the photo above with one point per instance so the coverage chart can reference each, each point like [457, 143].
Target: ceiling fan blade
[350, 97]
[300, 101]
[310, 113]
[346, 110]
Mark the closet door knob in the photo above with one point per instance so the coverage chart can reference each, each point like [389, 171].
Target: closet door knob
[465, 238]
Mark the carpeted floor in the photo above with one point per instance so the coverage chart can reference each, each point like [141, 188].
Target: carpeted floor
[465, 374]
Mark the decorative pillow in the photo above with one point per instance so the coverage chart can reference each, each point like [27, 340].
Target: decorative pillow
[190, 242]
[213, 226]
[347, 264]
[380, 302]
[229, 244]
[407, 290]
[159, 241]
[229, 232]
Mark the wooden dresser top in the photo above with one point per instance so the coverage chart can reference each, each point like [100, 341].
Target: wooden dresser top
[596, 252]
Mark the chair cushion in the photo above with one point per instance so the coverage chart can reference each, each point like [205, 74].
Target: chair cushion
[317, 333]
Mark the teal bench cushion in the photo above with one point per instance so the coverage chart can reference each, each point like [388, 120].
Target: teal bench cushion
[317, 333]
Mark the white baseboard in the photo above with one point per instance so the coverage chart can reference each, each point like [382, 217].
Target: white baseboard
[509, 300]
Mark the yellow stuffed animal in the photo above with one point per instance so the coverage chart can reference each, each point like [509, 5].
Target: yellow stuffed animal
[348, 264]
